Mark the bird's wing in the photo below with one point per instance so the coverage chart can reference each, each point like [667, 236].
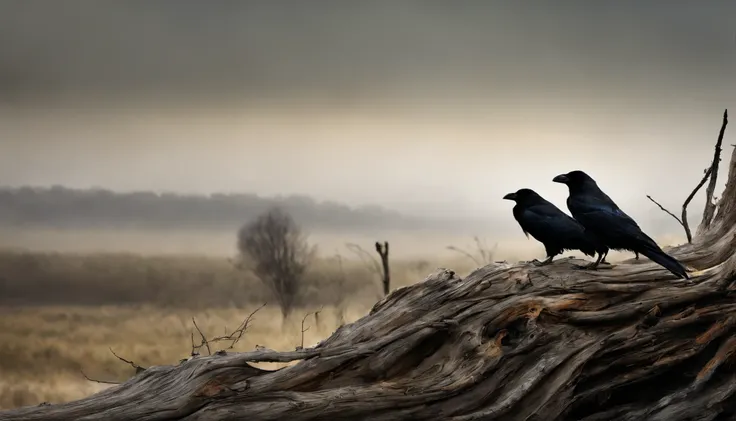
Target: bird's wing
[594, 211]
[548, 221]
[519, 216]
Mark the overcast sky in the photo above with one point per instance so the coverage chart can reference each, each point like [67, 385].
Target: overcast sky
[426, 106]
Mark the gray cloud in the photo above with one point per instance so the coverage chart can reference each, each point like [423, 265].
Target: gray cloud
[346, 49]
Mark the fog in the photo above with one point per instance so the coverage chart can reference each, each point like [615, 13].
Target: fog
[418, 106]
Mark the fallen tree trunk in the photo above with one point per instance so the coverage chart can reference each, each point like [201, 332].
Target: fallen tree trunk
[508, 342]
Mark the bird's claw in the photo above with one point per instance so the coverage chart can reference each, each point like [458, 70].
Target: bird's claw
[536, 262]
[590, 266]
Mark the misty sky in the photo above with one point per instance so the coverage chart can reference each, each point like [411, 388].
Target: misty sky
[422, 106]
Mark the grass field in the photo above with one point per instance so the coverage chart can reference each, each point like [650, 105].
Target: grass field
[60, 314]
[44, 350]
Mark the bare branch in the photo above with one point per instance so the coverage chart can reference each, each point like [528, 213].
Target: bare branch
[481, 249]
[204, 339]
[194, 347]
[138, 368]
[233, 337]
[367, 258]
[685, 224]
[97, 381]
[461, 251]
[303, 330]
[485, 253]
[370, 261]
[666, 211]
[382, 250]
[710, 205]
[238, 333]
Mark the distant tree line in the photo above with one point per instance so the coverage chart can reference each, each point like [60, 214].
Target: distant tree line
[65, 208]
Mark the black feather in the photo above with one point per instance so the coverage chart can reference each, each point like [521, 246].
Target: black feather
[600, 215]
[556, 230]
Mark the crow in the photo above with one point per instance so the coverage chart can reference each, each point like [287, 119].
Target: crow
[609, 224]
[550, 226]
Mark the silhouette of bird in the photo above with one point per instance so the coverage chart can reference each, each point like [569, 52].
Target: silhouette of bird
[552, 227]
[600, 215]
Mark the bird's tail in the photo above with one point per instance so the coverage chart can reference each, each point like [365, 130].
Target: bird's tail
[655, 254]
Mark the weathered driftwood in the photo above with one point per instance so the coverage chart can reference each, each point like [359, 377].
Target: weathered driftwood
[508, 342]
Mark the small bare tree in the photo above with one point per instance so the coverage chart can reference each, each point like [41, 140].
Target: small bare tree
[273, 247]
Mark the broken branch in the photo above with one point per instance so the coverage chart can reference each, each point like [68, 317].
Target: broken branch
[95, 380]
[137, 368]
[667, 212]
[710, 205]
[382, 250]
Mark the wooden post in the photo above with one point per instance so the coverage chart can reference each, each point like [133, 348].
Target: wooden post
[383, 252]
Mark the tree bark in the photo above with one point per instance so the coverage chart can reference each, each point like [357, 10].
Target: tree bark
[508, 342]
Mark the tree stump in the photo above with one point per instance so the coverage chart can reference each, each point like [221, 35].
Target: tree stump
[508, 342]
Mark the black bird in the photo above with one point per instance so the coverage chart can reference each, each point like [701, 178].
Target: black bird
[551, 226]
[609, 224]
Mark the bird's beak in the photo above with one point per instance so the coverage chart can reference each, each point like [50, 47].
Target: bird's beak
[510, 196]
[562, 178]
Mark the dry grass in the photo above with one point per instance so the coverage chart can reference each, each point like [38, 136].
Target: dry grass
[43, 350]
[61, 313]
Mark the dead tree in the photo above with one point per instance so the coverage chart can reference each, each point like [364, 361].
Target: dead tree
[370, 262]
[382, 250]
[508, 342]
[273, 248]
[710, 206]
[380, 269]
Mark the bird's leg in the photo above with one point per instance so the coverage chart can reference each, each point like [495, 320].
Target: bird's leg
[592, 266]
[636, 254]
[603, 261]
[547, 261]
